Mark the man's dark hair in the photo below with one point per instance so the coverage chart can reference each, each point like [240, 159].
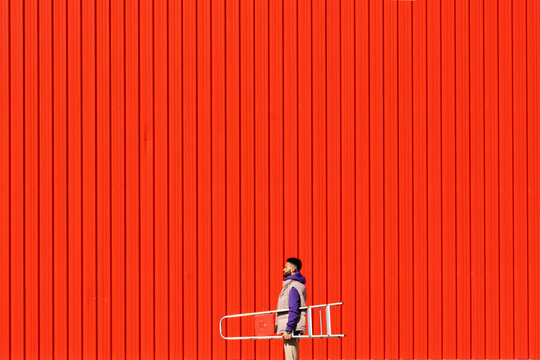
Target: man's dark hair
[296, 262]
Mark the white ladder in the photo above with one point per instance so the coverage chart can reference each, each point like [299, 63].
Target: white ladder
[309, 323]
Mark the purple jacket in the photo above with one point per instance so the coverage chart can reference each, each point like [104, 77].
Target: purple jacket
[294, 302]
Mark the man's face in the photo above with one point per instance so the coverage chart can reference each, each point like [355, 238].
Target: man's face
[289, 269]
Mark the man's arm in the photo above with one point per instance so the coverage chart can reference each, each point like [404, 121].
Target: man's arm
[294, 310]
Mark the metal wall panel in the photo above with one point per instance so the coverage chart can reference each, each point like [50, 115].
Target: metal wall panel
[160, 159]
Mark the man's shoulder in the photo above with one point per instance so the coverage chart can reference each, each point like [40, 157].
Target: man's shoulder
[297, 284]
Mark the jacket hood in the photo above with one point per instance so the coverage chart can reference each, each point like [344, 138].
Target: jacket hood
[298, 277]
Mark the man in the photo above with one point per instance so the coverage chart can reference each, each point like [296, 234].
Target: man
[291, 299]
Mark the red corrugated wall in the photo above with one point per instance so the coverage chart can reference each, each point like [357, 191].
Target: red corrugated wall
[160, 159]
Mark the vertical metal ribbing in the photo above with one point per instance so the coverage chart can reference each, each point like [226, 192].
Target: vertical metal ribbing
[320, 320]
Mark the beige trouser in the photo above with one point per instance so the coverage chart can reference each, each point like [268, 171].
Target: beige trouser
[291, 348]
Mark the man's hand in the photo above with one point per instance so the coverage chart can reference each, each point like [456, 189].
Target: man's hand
[287, 336]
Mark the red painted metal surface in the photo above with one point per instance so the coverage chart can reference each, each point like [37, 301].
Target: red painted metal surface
[160, 159]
